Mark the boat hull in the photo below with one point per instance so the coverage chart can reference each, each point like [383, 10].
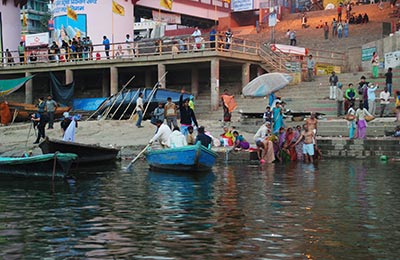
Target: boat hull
[22, 111]
[195, 158]
[87, 153]
[37, 166]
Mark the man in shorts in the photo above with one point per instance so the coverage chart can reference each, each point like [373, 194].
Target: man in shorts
[308, 147]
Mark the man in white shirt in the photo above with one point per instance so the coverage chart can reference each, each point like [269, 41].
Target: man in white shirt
[139, 110]
[197, 37]
[128, 43]
[371, 98]
[262, 132]
[162, 134]
[385, 99]
[176, 139]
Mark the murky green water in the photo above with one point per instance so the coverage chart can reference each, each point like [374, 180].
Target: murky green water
[334, 210]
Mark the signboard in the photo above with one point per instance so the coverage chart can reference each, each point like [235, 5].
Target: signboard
[66, 28]
[166, 17]
[272, 19]
[392, 59]
[242, 5]
[36, 40]
[366, 54]
[326, 69]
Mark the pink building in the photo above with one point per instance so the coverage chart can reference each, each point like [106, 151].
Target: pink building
[10, 26]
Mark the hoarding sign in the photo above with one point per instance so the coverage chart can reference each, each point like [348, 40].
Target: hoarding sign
[366, 54]
[392, 59]
[242, 5]
[37, 39]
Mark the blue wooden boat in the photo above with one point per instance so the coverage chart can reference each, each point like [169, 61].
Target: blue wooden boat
[45, 165]
[187, 158]
[124, 104]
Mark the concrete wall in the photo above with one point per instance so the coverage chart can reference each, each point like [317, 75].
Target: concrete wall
[385, 45]
[11, 27]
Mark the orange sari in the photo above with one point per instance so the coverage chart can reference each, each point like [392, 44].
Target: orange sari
[5, 113]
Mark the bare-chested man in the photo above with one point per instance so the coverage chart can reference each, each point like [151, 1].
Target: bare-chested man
[308, 146]
[312, 122]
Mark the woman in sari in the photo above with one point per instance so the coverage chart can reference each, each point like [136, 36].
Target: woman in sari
[5, 114]
[278, 118]
[290, 139]
[375, 65]
[265, 151]
[228, 104]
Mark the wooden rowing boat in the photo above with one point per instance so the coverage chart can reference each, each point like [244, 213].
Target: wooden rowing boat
[190, 158]
[45, 165]
[87, 153]
[22, 111]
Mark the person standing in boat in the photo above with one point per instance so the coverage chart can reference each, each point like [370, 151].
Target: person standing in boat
[187, 114]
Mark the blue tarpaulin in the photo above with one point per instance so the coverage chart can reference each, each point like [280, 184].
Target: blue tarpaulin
[87, 104]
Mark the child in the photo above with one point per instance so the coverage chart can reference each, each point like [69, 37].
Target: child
[268, 115]
[190, 138]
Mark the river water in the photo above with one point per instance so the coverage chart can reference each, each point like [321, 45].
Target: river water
[335, 209]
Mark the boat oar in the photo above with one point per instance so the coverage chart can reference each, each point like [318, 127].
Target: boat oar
[29, 134]
[54, 166]
[137, 157]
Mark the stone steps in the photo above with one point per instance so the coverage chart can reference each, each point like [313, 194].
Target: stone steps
[359, 148]
[328, 128]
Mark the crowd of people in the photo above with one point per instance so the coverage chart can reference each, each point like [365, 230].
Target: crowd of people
[80, 49]
[277, 143]
[366, 109]
[45, 115]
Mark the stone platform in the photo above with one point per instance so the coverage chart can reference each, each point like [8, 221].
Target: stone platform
[330, 147]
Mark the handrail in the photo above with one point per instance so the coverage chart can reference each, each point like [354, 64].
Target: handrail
[158, 47]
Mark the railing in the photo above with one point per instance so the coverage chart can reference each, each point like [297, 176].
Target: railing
[123, 50]
[275, 59]
[169, 46]
[329, 57]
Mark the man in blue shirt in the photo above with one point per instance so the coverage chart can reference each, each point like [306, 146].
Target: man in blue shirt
[213, 32]
[106, 43]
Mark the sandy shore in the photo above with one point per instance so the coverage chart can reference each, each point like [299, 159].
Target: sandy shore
[14, 139]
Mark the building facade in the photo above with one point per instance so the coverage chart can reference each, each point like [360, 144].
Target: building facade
[35, 16]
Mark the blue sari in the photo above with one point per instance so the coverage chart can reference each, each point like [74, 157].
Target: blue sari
[278, 119]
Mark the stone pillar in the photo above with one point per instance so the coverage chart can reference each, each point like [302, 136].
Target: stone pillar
[147, 79]
[161, 71]
[215, 84]
[28, 89]
[245, 74]
[113, 80]
[195, 81]
[69, 76]
[105, 85]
